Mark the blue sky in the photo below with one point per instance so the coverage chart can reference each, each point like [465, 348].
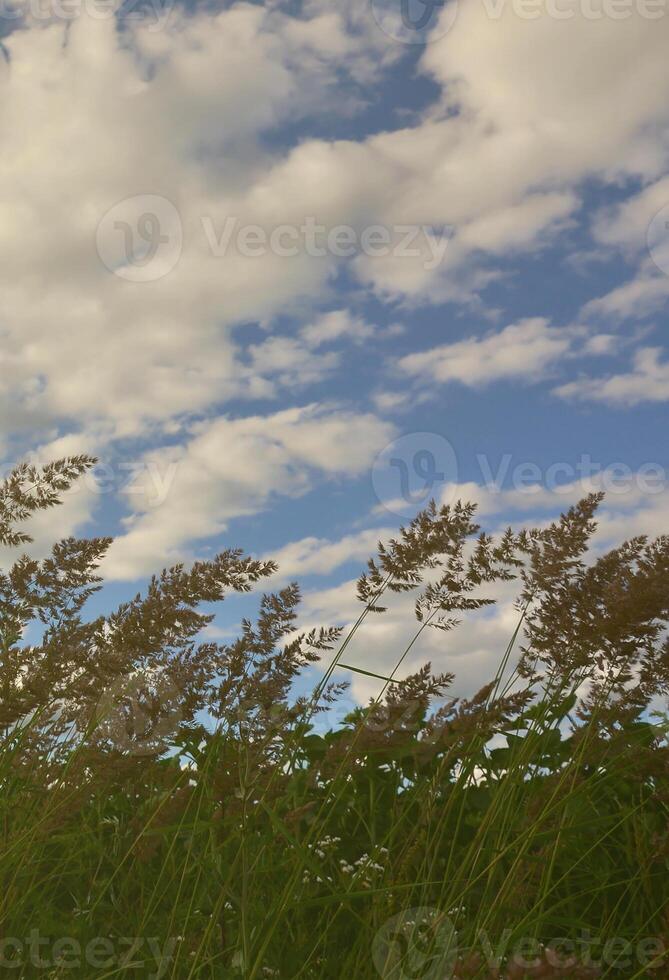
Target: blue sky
[501, 182]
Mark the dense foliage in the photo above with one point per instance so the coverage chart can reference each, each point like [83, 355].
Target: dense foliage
[169, 808]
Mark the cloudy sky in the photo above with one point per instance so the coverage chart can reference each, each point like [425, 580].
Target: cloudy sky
[288, 269]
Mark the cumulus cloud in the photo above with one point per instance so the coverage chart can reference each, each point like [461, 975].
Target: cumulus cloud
[330, 327]
[231, 468]
[521, 350]
[639, 298]
[296, 361]
[96, 117]
[93, 116]
[501, 173]
[544, 87]
[648, 381]
[319, 556]
[626, 225]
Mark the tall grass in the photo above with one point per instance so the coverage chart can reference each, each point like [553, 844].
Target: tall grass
[520, 833]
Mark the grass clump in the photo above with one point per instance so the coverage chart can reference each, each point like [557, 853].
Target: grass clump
[521, 832]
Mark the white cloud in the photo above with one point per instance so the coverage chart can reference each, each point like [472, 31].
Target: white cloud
[502, 171]
[92, 116]
[636, 299]
[319, 556]
[521, 350]
[647, 382]
[626, 225]
[293, 362]
[393, 401]
[234, 467]
[472, 652]
[290, 362]
[545, 86]
[334, 325]
[519, 224]
[95, 116]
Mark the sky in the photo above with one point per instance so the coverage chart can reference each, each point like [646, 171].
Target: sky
[291, 269]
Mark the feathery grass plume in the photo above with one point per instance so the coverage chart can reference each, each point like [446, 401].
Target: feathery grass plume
[29, 489]
[599, 624]
[259, 669]
[155, 784]
[142, 663]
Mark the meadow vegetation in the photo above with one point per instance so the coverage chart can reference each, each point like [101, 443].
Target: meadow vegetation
[169, 807]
